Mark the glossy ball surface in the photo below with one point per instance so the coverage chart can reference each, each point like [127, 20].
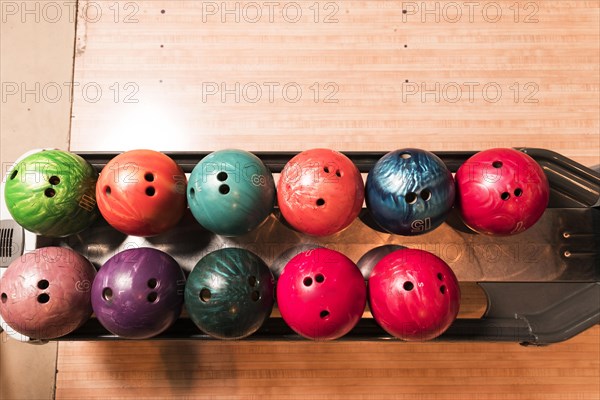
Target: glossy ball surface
[45, 294]
[410, 192]
[320, 192]
[52, 193]
[229, 293]
[501, 192]
[142, 193]
[413, 295]
[321, 294]
[231, 192]
[138, 293]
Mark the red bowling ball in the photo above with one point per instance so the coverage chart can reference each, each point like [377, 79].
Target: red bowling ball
[142, 193]
[320, 192]
[413, 295]
[45, 294]
[501, 192]
[321, 294]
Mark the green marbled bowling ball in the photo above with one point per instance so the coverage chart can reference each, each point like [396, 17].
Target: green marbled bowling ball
[52, 193]
[230, 293]
[231, 192]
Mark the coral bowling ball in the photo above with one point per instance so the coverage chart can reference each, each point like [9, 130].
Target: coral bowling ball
[138, 293]
[321, 294]
[230, 293]
[413, 295]
[410, 192]
[45, 294]
[231, 192]
[320, 192]
[501, 192]
[52, 193]
[142, 193]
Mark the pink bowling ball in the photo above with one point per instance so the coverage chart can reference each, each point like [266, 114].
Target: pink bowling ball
[413, 295]
[501, 192]
[45, 294]
[321, 294]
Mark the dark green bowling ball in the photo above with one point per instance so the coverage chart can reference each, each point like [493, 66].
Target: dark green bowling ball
[52, 193]
[229, 293]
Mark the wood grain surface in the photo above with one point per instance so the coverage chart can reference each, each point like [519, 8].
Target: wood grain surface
[337, 370]
[334, 370]
[350, 75]
[185, 75]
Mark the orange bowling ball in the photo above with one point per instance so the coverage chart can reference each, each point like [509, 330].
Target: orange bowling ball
[142, 193]
[320, 192]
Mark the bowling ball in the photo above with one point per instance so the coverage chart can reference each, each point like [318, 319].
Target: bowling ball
[229, 293]
[231, 192]
[501, 192]
[45, 294]
[320, 192]
[413, 295]
[321, 294]
[409, 192]
[138, 293]
[52, 193]
[141, 193]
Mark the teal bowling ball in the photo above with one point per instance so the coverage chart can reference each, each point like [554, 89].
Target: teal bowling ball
[231, 192]
[52, 193]
[230, 293]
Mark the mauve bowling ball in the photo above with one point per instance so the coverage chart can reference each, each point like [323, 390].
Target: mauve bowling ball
[231, 192]
[45, 294]
[501, 192]
[320, 192]
[413, 295]
[142, 193]
[321, 294]
[409, 192]
[52, 193]
[229, 293]
[138, 293]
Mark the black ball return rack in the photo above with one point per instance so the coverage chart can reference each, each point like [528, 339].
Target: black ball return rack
[554, 296]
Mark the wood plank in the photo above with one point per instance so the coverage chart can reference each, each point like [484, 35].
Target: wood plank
[122, 393]
[371, 79]
[307, 370]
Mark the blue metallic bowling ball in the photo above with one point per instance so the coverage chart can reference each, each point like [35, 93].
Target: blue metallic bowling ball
[231, 192]
[409, 192]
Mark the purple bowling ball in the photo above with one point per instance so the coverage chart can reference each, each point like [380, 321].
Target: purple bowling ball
[138, 293]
